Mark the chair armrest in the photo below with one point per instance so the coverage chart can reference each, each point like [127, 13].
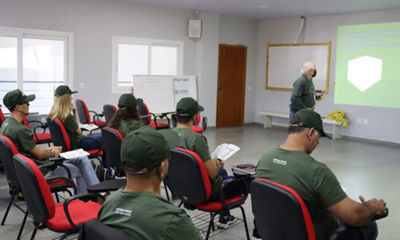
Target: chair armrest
[69, 180]
[231, 181]
[54, 164]
[205, 120]
[96, 115]
[83, 197]
[163, 115]
[41, 125]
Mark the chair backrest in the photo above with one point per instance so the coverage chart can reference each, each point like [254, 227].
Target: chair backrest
[280, 212]
[96, 230]
[26, 122]
[58, 133]
[83, 112]
[112, 145]
[109, 111]
[36, 191]
[144, 111]
[197, 119]
[2, 118]
[7, 151]
[187, 176]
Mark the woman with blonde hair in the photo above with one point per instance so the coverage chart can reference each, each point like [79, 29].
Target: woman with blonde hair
[61, 109]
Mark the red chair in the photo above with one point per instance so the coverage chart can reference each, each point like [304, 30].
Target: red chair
[198, 129]
[188, 180]
[109, 111]
[281, 213]
[84, 116]
[64, 217]
[60, 137]
[57, 184]
[146, 118]
[42, 137]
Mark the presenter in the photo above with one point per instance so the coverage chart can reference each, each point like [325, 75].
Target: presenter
[303, 94]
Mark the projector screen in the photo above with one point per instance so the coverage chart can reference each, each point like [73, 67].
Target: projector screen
[368, 65]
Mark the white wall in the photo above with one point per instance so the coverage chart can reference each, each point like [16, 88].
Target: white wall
[94, 22]
[240, 31]
[382, 122]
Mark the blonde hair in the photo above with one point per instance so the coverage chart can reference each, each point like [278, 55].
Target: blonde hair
[61, 107]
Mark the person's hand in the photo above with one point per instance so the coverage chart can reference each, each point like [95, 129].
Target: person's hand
[73, 108]
[379, 206]
[55, 150]
[220, 164]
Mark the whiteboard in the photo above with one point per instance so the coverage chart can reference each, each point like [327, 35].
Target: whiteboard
[162, 93]
[156, 91]
[284, 62]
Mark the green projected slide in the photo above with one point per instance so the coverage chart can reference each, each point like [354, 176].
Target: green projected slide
[368, 65]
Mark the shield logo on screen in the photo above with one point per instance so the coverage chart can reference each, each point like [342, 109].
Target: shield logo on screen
[364, 72]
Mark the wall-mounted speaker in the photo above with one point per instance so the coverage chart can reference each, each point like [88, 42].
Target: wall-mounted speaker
[194, 28]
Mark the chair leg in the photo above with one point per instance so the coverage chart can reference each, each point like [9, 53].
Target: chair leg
[34, 233]
[209, 225]
[57, 198]
[212, 223]
[22, 226]
[245, 222]
[8, 207]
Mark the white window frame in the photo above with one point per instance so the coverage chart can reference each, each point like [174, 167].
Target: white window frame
[116, 40]
[21, 33]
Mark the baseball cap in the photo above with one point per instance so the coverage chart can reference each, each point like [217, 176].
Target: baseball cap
[188, 106]
[16, 97]
[127, 99]
[308, 119]
[143, 150]
[62, 90]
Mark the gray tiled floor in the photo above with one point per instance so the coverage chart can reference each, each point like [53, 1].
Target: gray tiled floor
[367, 169]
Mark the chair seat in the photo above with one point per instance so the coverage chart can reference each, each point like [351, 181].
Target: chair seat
[80, 212]
[213, 206]
[197, 129]
[41, 137]
[160, 125]
[58, 183]
[99, 123]
[94, 151]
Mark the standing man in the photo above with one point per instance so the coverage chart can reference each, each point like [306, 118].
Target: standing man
[138, 210]
[303, 93]
[290, 164]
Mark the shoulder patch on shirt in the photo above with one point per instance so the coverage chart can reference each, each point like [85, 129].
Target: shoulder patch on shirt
[122, 211]
[281, 162]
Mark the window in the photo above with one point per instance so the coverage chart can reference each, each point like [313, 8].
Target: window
[35, 62]
[133, 56]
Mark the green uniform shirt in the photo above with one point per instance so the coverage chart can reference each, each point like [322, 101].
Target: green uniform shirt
[197, 143]
[302, 94]
[145, 215]
[312, 180]
[71, 126]
[126, 127]
[22, 137]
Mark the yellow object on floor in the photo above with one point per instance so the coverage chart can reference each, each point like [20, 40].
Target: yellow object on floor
[339, 117]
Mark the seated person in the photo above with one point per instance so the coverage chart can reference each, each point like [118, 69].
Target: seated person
[127, 118]
[290, 164]
[22, 137]
[61, 109]
[186, 113]
[138, 209]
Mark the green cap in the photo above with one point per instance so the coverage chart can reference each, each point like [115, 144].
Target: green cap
[62, 90]
[308, 119]
[188, 106]
[127, 99]
[16, 97]
[143, 150]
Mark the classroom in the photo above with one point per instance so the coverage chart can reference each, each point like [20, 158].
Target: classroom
[88, 45]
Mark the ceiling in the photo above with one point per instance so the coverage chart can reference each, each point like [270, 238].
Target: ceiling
[269, 9]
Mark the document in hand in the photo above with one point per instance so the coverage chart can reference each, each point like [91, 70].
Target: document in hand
[224, 151]
[74, 154]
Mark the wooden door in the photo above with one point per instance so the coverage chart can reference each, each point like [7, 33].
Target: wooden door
[231, 85]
